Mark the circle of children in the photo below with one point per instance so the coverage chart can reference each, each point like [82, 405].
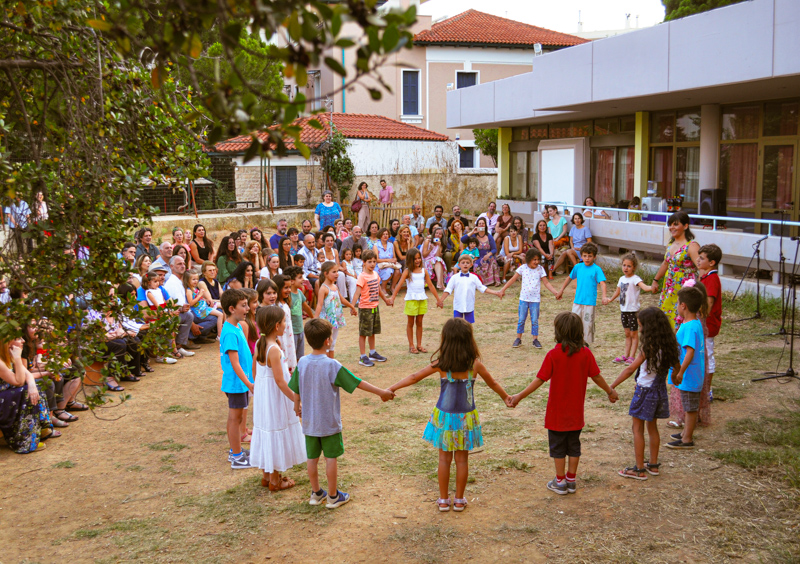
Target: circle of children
[257, 301]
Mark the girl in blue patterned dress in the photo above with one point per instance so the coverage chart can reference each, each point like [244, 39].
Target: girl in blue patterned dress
[329, 301]
[659, 352]
[454, 426]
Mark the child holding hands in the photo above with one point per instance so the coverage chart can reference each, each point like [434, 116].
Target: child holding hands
[463, 286]
[628, 290]
[532, 276]
[454, 426]
[416, 277]
[567, 367]
[330, 301]
[588, 275]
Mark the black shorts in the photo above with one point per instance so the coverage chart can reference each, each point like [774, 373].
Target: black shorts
[629, 320]
[564, 443]
[238, 401]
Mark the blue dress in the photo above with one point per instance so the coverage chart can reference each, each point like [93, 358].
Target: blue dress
[385, 253]
[454, 424]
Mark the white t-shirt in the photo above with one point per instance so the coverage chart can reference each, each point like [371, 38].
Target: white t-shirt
[645, 379]
[175, 289]
[462, 288]
[628, 293]
[531, 283]
[265, 272]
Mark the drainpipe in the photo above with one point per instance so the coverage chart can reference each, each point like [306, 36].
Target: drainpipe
[343, 89]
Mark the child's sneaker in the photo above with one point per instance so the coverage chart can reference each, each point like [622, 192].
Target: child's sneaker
[710, 395]
[572, 486]
[230, 454]
[340, 499]
[676, 436]
[537, 344]
[365, 361]
[554, 486]
[679, 444]
[318, 499]
[517, 343]
[621, 360]
[377, 358]
[240, 462]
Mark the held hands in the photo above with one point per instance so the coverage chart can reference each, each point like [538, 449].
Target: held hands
[298, 409]
[353, 311]
[606, 301]
[559, 294]
[613, 396]
[439, 304]
[386, 395]
[510, 402]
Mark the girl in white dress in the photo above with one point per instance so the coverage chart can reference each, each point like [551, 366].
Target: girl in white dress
[284, 301]
[278, 442]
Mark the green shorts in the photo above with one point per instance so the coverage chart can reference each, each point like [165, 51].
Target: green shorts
[369, 322]
[414, 308]
[332, 446]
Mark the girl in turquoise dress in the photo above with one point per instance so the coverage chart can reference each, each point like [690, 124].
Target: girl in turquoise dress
[454, 426]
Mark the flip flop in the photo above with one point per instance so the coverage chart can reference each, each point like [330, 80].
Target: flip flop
[674, 425]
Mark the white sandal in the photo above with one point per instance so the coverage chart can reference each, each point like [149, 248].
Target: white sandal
[444, 504]
[674, 425]
[462, 502]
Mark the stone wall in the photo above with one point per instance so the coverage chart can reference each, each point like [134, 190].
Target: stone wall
[229, 221]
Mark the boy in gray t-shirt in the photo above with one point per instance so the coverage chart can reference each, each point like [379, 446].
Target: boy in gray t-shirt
[316, 381]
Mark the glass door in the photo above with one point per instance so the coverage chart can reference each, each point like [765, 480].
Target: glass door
[779, 191]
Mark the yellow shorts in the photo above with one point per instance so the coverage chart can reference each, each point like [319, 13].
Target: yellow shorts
[416, 307]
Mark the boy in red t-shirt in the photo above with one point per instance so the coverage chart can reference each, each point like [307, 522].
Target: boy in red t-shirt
[568, 367]
[707, 262]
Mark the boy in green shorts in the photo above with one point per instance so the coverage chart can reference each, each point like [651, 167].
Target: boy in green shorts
[317, 380]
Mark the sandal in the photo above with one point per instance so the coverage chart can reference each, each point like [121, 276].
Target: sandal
[53, 435]
[459, 504]
[637, 473]
[413, 350]
[422, 349]
[77, 406]
[64, 416]
[652, 469]
[444, 504]
[58, 422]
[114, 388]
[129, 378]
[674, 425]
[246, 437]
[285, 484]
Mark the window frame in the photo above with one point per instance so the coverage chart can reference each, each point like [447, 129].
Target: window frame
[652, 146]
[477, 77]
[403, 113]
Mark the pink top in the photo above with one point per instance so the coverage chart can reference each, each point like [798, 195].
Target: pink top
[385, 195]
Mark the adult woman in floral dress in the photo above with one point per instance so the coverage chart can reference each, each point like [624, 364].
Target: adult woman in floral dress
[676, 270]
[486, 267]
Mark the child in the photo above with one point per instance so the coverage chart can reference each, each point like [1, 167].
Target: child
[368, 289]
[358, 263]
[454, 426]
[349, 272]
[463, 285]
[249, 324]
[588, 275]
[317, 380]
[237, 375]
[707, 262]
[157, 296]
[194, 297]
[650, 399]
[307, 288]
[568, 367]
[533, 276]
[272, 265]
[689, 378]
[278, 442]
[299, 305]
[471, 250]
[284, 300]
[628, 292]
[267, 293]
[329, 302]
[416, 277]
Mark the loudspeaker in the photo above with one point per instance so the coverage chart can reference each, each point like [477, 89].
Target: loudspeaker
[713, 202]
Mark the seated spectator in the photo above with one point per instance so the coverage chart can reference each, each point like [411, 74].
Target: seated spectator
[177, 293]
[284, 252]
[198, 300]
[228, 257]
[145, 246]
[457, 216]
[209, 281]
[242, 277]
[136, 329]
[252, 253]
[588, 213]
[272, 264]
[281, 232]
[311, 264]
[24, 417]
[294, 236]
[164, 255]
[180, 251]
[415, 237]
[32, 352]
[178, 241]
[355, 238]
[141, 267]
[436, 219]
[394, 229]
[151, 297]
[200, 247]
[257, 236]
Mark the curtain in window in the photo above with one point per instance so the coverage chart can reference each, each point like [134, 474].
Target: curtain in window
[738, 173]
[603, 177]
[662, 171]
[625, 167]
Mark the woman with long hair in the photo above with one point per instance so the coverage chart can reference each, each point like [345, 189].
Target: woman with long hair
[363, 196]
[242, 277]
[177, 241]
[252, 253]
[678, 266]
[543, 241]
[455, 232]
[201, 247]
[228, 257]
[141, 266]
[284, 251]
[503, 224]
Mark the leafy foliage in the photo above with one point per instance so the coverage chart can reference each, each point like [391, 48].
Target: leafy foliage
[682, 8]
[486, 141]
[337, 163]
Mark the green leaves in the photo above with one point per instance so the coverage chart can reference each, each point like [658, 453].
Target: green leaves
[99, 25]
[335, 66]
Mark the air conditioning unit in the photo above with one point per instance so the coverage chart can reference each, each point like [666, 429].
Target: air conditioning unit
[652, 204]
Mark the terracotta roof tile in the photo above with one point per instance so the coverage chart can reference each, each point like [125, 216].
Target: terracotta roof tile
[477, 27]
[352, 126]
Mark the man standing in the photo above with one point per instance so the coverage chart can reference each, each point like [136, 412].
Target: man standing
[436, 219]
[417, 220]
[18, 221]
[457, 216]
[164, 254]
[385, 199]
[275, 239]
[309, 252]
[355, 238]
[491, 217]
[176, 291]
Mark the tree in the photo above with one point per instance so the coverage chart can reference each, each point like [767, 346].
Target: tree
[486, 141]
[337, 163]
[682, 8]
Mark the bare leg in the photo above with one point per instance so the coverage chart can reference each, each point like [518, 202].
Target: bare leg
[439, 270]
[234, 434]
[371, 340]
[313, 473]
[638, 441]
[626, 352]
[243, 424]
[634, 343]
[419, 331]
[462, 472]
[506, 268]
[561, 466]
[69, 392]
[573, 464]
[445, 459]
[410, 331]
[331, 469]
[655, 440]
[689, 423]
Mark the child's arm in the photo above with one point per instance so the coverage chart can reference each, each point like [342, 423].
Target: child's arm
[356, 297]
[400, 284]
[274, 359]
[413, 378]
[385, 395]
[192, 301]
[643, 287]
[308, 310]
[494, 292]
[532, 387]
[428, 281]
[323, 291]
[491, 382]
[444, 297]
[711, 300]
[629, 370]
[549, 286]
[237, 368]
[687, 360]
[564, 286]
[508, 284]
[615, 295]
[603, 288]
[612, 394]
[383, 295]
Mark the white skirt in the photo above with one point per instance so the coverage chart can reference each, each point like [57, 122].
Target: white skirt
[278, 442]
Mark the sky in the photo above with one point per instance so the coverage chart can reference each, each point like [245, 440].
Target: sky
[558, 15]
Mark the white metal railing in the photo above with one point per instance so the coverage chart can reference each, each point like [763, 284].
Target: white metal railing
[714, 218]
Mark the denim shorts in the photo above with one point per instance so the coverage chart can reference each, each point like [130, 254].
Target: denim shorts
[238, 401]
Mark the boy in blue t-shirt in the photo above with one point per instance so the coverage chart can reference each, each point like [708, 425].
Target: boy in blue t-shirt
[689, 379]
[588, 275]
[237, 371]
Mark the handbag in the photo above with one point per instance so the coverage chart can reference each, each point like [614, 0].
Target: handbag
[355, 207]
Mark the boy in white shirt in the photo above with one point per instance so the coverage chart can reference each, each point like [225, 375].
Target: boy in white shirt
[462, 286]
[533, 276]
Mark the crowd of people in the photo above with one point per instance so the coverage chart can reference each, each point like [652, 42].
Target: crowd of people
[260, 299]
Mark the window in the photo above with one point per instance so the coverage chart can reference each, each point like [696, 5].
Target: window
[612, 175]
[286, 185]
[740, 122]
[411, 102]
[466, 157]
[738, 168]
[524, 181]
[675, 154]
[780, 118]
[466, 79]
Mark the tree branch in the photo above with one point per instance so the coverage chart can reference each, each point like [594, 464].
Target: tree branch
[36, 64]
[24, 112]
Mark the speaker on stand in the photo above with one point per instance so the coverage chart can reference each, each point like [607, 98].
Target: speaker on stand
[713, 202]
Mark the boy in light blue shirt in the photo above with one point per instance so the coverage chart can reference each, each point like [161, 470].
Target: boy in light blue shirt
[237, 372]
[588, 275]
[689, 379]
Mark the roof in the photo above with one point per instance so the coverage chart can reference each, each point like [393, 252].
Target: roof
[352, 126]
[473, 27]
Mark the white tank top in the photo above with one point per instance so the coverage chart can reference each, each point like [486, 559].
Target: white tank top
[415, 286]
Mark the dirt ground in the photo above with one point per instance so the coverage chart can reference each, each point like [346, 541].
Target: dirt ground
[149, 480]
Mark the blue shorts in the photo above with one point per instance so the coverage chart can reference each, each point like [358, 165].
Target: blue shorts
[469, 316]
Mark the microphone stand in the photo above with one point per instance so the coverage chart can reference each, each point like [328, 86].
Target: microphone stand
[757, 256]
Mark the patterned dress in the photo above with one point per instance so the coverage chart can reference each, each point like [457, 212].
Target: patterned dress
[332, 308]
[23, 424]
[454, 423]
[431, 259]
[487, 267]
[680, 268]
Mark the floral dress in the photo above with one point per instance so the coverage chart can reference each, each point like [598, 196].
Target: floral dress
[332, 308]
[431, 259]
[680, 269]
[386, 252]
[201, 309]
[454, 423]
[487, 267]
[21, 422]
